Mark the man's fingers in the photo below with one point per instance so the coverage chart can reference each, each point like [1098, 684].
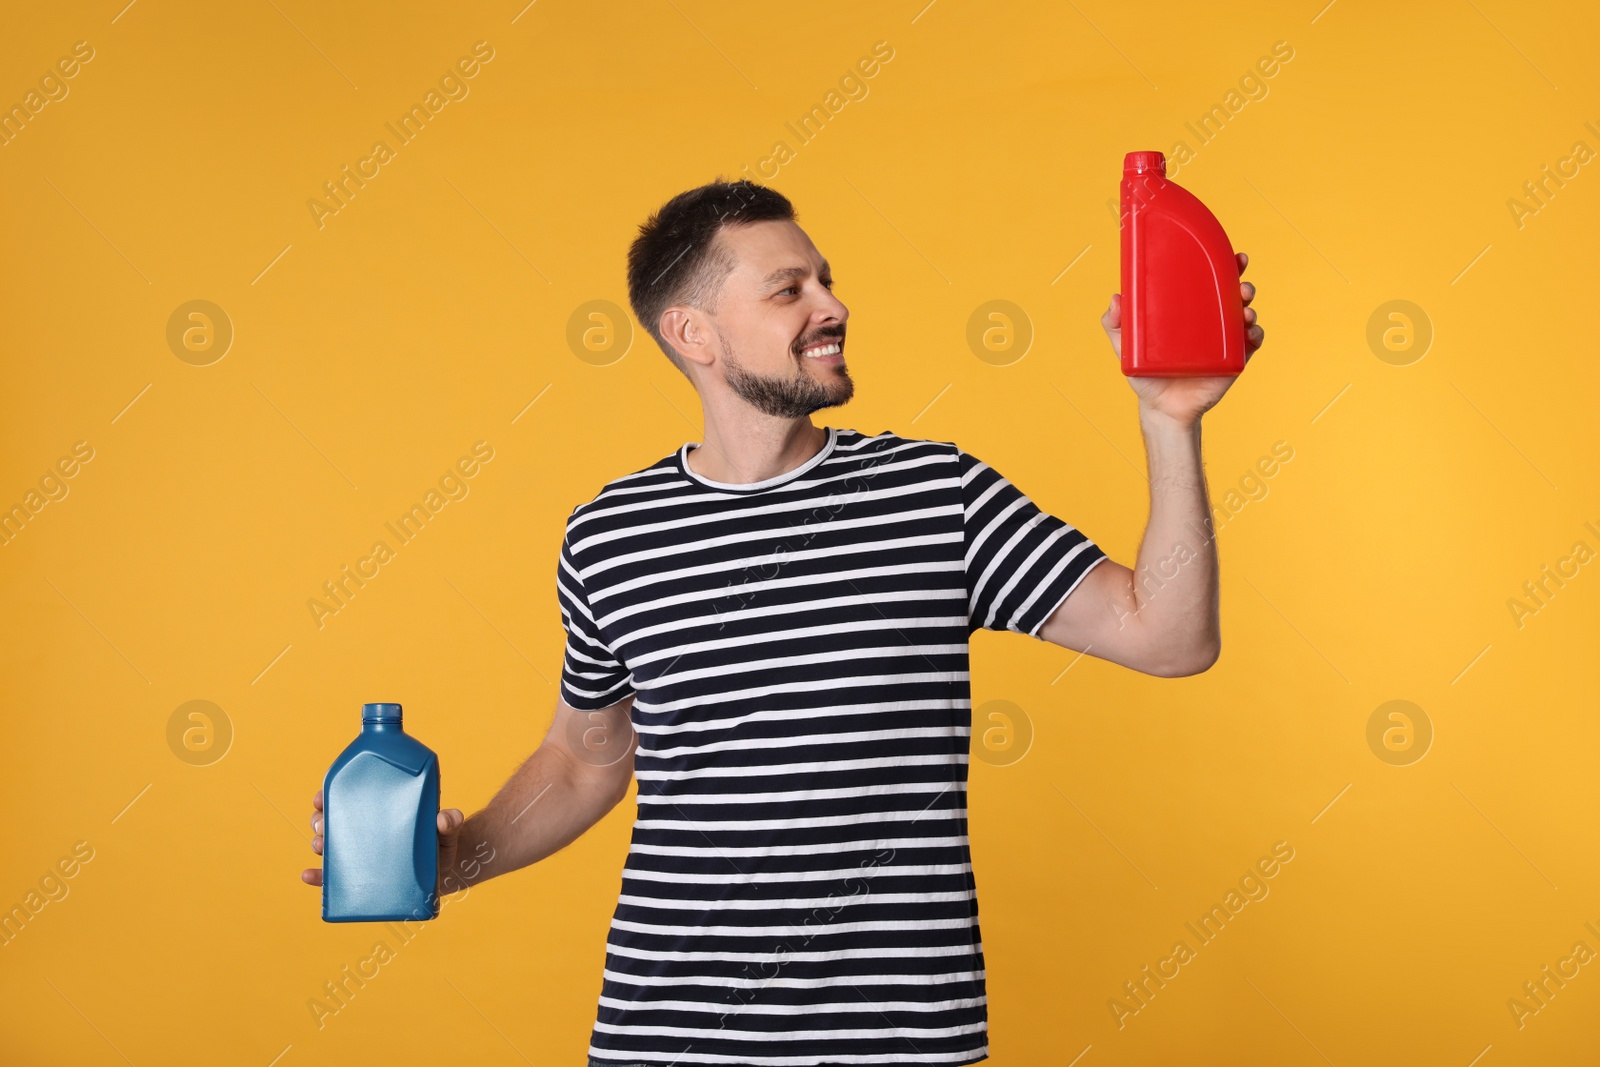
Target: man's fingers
[313, 875]
[1244, 261]
[1112, 319]
[450, 820]
[1247, 291]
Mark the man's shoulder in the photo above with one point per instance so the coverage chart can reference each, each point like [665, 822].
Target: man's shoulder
[912, 459]
[886, 442]
[648, 482]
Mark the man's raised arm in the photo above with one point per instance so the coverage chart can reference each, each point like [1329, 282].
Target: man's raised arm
[1163, 617]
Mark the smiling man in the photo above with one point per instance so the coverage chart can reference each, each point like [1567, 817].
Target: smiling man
[774, 624]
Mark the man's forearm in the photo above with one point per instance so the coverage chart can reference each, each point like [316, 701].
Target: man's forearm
[545, 806]
[1175, 578]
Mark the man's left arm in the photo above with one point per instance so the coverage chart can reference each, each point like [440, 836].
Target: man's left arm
[1163, 616]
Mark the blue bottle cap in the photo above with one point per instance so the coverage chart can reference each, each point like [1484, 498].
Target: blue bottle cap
[380, 713]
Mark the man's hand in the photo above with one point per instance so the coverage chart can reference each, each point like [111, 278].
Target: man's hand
[579, 773]
[1185, 399]
[449, 823]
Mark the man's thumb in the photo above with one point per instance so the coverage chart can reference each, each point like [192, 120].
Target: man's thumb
[450, 820]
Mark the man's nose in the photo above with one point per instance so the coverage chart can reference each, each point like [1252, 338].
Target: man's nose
[833, 309]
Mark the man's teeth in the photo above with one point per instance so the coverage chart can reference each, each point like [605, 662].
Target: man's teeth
[825, 350]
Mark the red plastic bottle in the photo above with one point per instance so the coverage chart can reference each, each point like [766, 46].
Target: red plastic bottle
[1182, 315]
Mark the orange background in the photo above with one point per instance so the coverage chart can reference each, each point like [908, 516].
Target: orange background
[432, 311]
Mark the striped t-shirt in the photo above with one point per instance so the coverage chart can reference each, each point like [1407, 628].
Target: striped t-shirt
[799, 888]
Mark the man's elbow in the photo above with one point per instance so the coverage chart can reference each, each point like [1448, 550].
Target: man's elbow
[1191, 662]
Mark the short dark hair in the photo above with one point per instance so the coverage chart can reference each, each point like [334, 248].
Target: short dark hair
[677, 258]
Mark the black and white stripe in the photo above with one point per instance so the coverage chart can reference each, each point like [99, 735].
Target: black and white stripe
[799, 888]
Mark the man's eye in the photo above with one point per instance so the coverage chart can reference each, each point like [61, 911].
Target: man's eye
[795, 289]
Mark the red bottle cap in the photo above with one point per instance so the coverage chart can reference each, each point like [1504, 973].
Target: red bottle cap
[1144, 163]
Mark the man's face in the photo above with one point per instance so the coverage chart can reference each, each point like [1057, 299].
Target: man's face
[776, 306]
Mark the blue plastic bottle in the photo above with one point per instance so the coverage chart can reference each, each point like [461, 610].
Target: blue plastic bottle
[380, 833]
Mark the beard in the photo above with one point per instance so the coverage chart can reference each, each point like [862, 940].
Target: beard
[783, 396]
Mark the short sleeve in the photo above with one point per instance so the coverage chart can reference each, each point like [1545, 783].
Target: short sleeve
[1021, 562]
[592, 675]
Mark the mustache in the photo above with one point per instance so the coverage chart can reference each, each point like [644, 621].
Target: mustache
[832, 333]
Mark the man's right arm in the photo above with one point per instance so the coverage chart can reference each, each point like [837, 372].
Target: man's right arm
[578, 773]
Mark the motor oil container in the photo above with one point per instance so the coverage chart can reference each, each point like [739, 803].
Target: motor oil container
[380, 834]
[1182, 314]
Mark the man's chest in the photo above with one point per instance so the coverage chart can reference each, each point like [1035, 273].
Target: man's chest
[806, 597]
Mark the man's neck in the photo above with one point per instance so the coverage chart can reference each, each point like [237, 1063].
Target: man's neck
[755, 451]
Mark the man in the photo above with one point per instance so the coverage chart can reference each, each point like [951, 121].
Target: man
[773, 623]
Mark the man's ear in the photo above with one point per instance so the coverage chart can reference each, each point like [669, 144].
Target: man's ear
[685, 329]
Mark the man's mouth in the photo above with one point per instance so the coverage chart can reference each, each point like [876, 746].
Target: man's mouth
[834, 347]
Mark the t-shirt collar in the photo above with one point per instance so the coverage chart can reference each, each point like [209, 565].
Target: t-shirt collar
[755, 487]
